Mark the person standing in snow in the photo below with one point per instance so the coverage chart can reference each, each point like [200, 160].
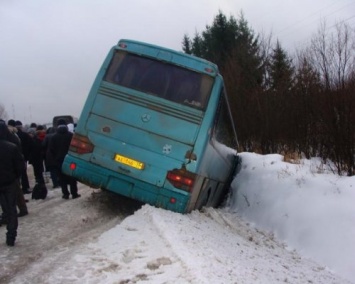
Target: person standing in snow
[58, 147]
[12, 136]
[49, 160]
[26, 146]
[11, 166]
[36, 157]
[20, 198]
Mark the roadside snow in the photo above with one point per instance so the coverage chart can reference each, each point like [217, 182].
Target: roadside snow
[305, 205]
[283, 223]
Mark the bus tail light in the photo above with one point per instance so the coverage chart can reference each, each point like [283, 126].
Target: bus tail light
[81, 144]
[182, 179]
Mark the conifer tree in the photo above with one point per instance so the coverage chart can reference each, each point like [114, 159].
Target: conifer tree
[197, 46]
[232, 45]
[220, 39]
[186, 44]
[281, 70]
[306, 94]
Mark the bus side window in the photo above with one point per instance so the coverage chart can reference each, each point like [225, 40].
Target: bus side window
[224, 130]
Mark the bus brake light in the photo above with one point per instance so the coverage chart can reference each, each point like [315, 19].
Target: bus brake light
[81, 144]
[72, 166]
[182, 179]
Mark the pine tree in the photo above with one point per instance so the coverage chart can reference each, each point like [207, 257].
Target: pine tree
[232, 45]
[217, 42]
[277, 108]
[306, 93]
[220, 39]
[197, 45]
[186, 44]
[281, 70]
[246, 53]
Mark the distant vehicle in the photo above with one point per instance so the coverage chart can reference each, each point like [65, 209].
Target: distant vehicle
[68, 119]
[47, 125]
[156, 127]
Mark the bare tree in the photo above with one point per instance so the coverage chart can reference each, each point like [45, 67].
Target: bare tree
[265, 52]
[332, 53]
[3, 113]
[322, 54]
[344, 55]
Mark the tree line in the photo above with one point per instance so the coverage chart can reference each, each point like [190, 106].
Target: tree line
[303, 104]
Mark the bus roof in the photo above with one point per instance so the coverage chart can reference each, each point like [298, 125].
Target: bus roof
[169, 55]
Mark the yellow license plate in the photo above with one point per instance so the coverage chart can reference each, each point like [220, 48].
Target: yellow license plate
[129, 162]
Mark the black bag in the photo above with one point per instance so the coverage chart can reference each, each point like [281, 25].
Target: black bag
[39, 191]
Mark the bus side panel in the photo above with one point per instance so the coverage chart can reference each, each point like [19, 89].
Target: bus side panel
[215, 161]
[217, 166]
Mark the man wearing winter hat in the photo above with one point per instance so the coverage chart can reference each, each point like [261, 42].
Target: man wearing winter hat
[59, 146]
[13, 130]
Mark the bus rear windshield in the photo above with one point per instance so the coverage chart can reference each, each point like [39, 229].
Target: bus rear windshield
[160, 79]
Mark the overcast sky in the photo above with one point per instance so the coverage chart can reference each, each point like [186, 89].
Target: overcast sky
[50, 51]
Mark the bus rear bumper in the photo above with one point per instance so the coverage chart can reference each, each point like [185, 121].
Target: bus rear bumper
[98, 177]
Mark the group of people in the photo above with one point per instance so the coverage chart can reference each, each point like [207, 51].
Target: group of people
[45, 150]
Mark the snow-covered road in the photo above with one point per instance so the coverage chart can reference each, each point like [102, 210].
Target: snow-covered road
[55, 226]
[86, 241]
[104, 238]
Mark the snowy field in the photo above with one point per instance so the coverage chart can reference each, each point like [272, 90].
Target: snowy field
[283, 223]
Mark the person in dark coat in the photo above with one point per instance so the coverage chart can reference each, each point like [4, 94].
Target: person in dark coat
[36, 157]
[11, 166]
[26, 146]
[48, 159]
[20, 199]
[58, 147]
[12, 134]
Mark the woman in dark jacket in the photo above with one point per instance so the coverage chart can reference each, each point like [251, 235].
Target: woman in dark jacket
[11, 166]
[14, 138]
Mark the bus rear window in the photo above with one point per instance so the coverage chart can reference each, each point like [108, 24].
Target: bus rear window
[160, 79]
